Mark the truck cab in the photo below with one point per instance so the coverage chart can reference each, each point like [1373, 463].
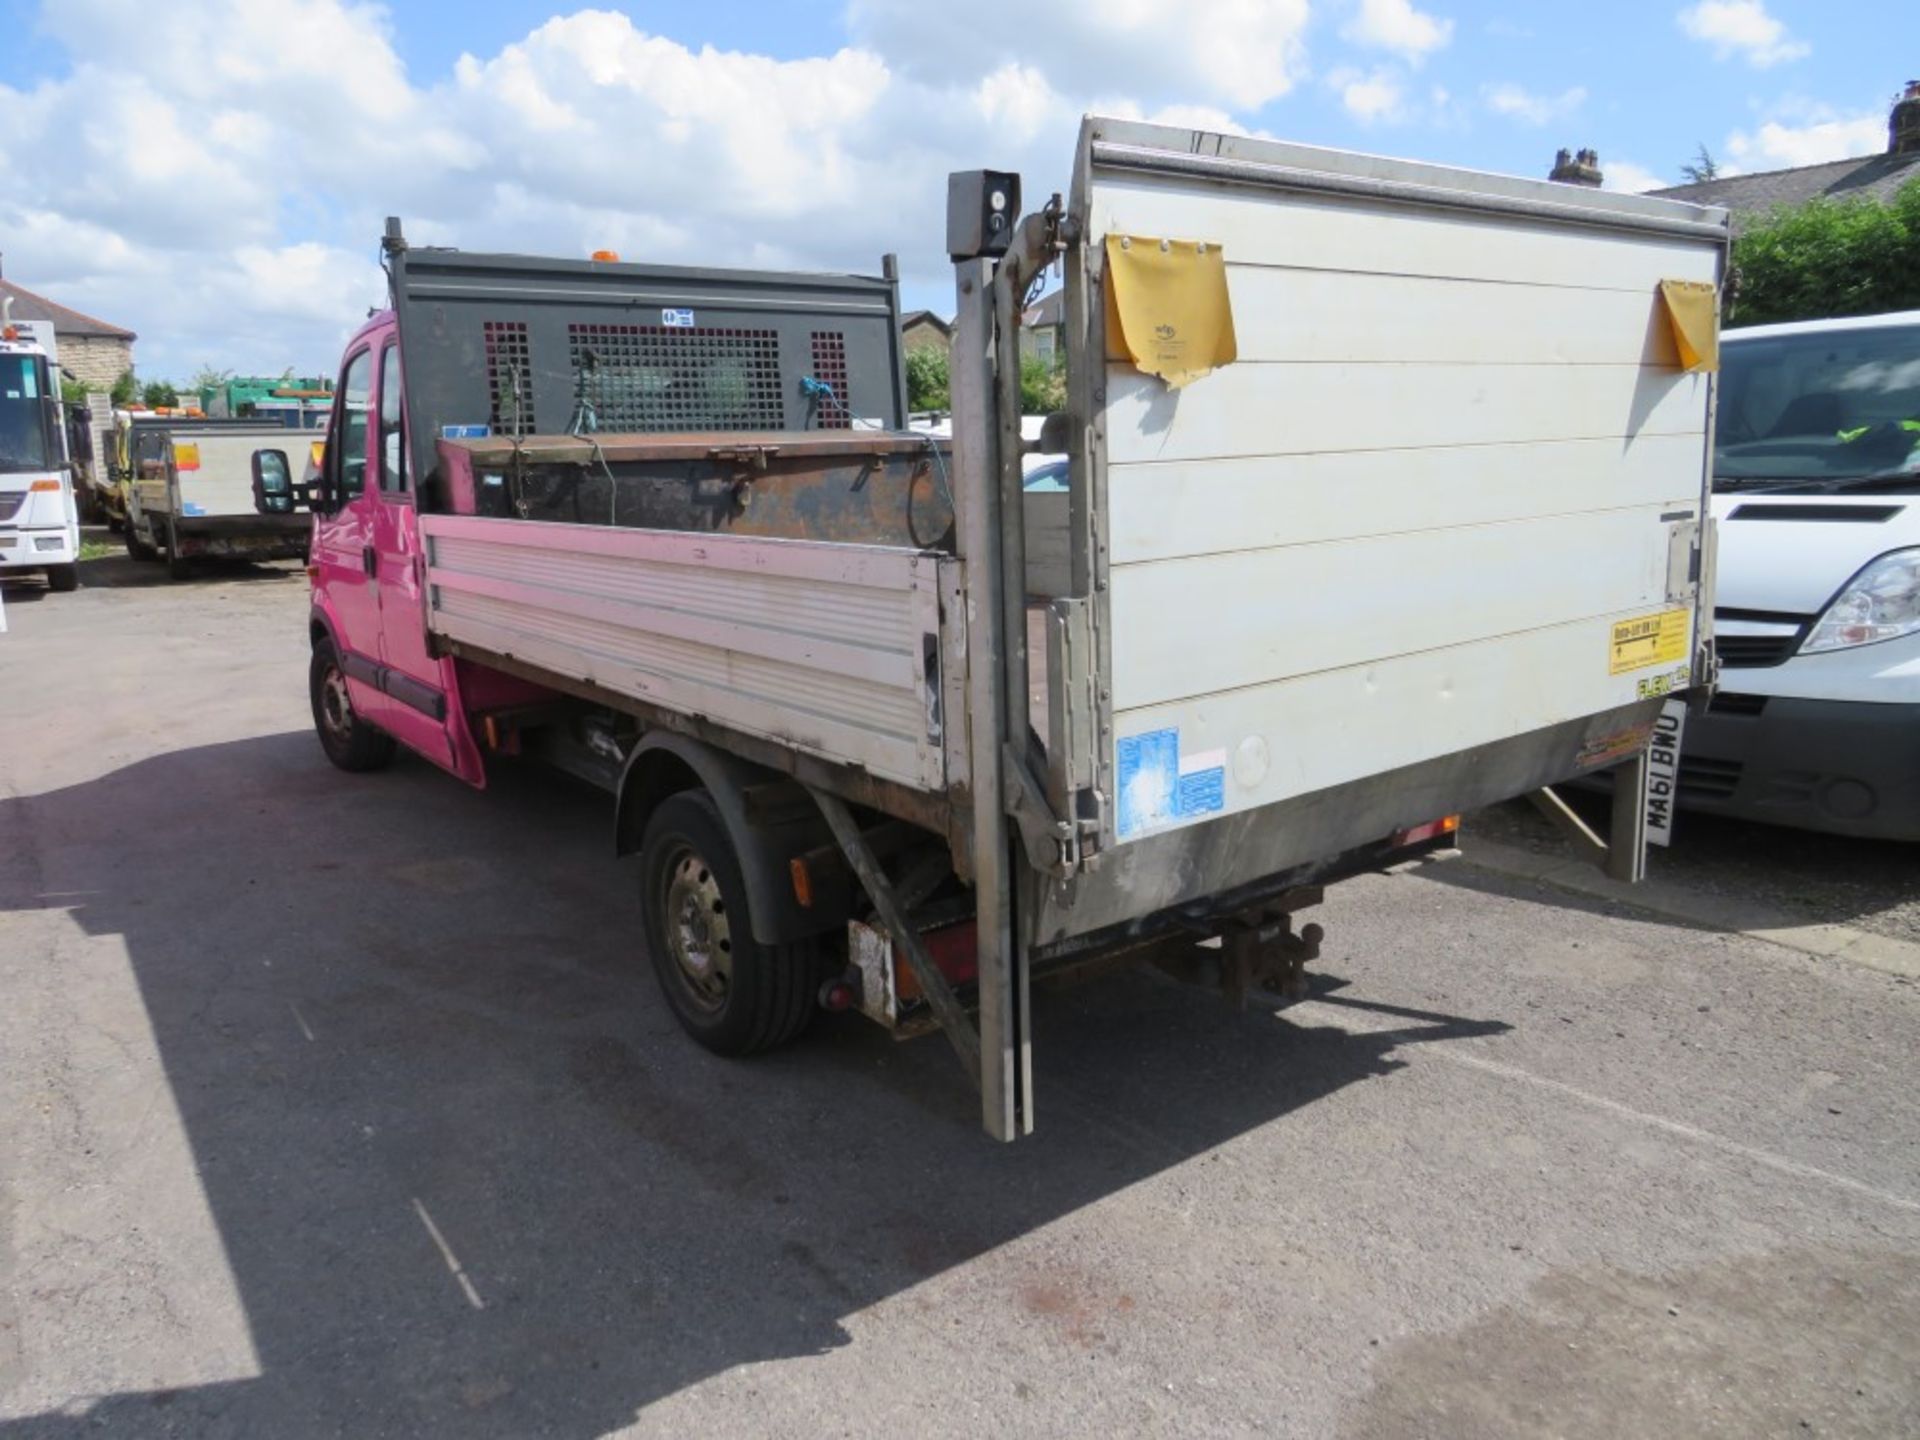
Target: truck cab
[39, 524]
[369, 614]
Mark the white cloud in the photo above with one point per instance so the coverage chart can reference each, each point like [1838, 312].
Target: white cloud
[1397, 26]
[1235, 53]
[1521, 104]
[218, 182]
[1369, 96]
[1780, 146]
[1743, 28]
[1631, 179]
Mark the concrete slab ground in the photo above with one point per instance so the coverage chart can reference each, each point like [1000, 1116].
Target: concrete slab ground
[339, 1105]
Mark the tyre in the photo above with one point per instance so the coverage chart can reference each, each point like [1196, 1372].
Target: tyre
[179, 567]
[138, 548]
[728, 991]
[350, 742]
[62, 578]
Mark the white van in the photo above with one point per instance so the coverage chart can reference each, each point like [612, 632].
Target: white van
[1817, 616]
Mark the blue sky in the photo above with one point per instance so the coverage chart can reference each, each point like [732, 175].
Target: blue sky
[214, 179]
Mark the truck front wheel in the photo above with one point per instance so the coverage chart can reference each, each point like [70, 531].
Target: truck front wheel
[728, 991]
[62, 578]
[350, 742]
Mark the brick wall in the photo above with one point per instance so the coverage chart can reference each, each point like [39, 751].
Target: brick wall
[96, 360]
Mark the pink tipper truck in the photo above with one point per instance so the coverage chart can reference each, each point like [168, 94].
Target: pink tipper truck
[1385, 500]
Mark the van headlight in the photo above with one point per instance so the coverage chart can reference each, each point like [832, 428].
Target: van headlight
[1882, 602]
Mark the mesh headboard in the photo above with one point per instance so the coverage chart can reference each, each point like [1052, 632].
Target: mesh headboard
[528, 346]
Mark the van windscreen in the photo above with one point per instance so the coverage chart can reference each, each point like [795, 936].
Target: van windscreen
[1832, 404]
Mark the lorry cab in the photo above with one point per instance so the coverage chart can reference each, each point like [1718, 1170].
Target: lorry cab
[1817, 494]
[39, 524]
[369, 613]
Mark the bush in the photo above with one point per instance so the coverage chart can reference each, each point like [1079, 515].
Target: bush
[1043, 387]
[928, 379]
[158, 393]
[1829, 258]
[124, 389]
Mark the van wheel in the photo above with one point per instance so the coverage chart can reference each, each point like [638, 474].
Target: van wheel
[728, 991]
[62, 578]
[350, 742]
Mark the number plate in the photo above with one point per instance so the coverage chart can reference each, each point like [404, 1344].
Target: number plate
[1663, 771]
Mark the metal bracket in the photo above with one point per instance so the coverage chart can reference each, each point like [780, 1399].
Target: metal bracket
[1052, 843]
[1623, 854]
[946, 1005]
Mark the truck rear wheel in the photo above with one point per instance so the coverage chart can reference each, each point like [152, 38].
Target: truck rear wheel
[728, 991]
[350, 742]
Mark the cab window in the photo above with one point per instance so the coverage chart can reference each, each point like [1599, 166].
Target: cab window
[393, 450]
[347, 449]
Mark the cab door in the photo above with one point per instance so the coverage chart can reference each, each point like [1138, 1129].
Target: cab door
[417, 683]
[343, 541]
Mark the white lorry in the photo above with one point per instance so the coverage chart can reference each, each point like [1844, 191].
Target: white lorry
[191, 495]
[39, 523]
[1385, 500]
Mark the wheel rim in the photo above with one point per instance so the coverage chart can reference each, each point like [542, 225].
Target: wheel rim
[697, 929]
[336, 709]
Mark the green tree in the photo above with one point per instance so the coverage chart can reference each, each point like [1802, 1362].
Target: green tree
[125, 388]
[157, 393]
[1703, 167]
[1829, 258]
[928, 377]
[208, 378]
[1043, 387]
[73, 392]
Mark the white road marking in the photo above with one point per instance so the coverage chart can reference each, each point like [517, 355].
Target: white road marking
[300, 1020]
[1356, 1021]
[446, 1253]
[1675, 1127]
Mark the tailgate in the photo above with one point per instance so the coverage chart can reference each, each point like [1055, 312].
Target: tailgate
[1447, 495]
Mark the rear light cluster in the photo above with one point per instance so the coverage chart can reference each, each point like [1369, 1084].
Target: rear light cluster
[1432, 830]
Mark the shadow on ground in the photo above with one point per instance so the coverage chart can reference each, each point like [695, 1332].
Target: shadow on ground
[1775, 873]
[486, 1053]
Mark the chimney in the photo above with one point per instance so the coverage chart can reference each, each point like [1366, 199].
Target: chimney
[1577, 168]
[1903, 126]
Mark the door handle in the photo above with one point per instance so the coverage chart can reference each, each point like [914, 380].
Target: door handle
[370, 561]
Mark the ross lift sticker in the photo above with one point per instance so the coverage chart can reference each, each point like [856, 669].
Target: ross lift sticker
[1648, 640]
[1158, 787]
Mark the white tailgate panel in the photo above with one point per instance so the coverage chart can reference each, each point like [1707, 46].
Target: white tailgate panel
[223, 485]
[818, 646]
[1403, 523]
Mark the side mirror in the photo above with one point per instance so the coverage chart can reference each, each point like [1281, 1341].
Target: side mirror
[273, 483]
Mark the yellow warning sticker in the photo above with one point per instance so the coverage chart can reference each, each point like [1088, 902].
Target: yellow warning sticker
[1649, 640]
[186, 455]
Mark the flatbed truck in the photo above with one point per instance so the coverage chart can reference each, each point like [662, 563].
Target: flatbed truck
[1386, 500]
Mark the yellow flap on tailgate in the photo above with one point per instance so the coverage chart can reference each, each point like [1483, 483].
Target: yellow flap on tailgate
[1693, 310]
[1168, 311]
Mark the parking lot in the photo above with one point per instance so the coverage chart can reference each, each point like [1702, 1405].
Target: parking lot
[344, 1105]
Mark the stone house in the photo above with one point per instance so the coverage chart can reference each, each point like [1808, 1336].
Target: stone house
[92, 351]
[924, 330]
[1754, 197]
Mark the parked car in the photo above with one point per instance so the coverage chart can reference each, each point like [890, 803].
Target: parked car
[1817, 495]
